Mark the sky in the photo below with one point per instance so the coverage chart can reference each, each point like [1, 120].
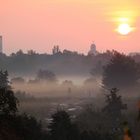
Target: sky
[71, 24]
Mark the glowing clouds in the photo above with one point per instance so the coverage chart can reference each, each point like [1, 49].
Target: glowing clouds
[124, 26]
[125, 21]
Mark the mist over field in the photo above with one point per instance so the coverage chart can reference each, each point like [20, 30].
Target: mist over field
[69, 70]
[93, 90]
[82, 73]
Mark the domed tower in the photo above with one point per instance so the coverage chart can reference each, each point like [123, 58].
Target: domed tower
[92, 50]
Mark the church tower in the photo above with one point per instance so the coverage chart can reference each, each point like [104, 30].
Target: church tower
[92, 50]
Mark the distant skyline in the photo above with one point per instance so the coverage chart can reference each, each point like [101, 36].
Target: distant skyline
[71, 24]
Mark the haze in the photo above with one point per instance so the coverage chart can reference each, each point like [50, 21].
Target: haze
[72, 24]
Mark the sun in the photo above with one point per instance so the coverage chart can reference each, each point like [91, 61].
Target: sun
[124, 29]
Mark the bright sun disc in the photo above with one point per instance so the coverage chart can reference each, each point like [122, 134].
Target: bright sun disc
[124, 29]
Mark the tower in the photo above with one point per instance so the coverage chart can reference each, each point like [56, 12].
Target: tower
[55, 49]
[0, 44]
[92, 50]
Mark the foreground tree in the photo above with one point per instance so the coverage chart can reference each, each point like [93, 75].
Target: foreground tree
[61, 127]
[4, 82]
[21, 127]
[113, 108]
[27, 127]
[8, 102]
[121, 72]
[12, 125]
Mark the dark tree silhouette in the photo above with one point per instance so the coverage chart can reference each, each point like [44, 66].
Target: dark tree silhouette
[8, 102]
[4, 82]
[113, 108]
[19, 53]
[31, 52]
[12, 125]
[61, 127]
[46, 75]
[114, 104]
[21, 127]
[27, 127]
[121, 72]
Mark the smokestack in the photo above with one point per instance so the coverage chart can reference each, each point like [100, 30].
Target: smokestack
[0, 44]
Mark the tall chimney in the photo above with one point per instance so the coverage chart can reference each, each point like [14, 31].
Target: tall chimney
[0, 44]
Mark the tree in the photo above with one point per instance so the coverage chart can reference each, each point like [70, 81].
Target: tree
[98, 69]
[113, 108]
[46, 75]
[67, 83]
[14, 126]
[92, 119]
[114, 104]
[19, 53]
[121, 72]
[68, 52]
[61, 127]
[21, 127]
[8, 102]
[27, 127]
[18, 80]
[31, 52]
[4, 82]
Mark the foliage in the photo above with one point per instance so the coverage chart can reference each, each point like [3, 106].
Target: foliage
[93, 120]
[114, 104]
[12, 125]
[22, 63]
[8, 102]
[4, 82]
[21, 127]
[46, 75]
[121, 72]
[61, 127]
[98, 69]
[27, 127]
[113, 109]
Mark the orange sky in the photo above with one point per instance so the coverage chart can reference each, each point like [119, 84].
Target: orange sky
[72, 24]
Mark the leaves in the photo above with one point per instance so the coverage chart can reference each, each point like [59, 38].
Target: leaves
[121, 72]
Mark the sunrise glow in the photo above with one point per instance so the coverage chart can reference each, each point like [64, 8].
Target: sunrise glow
[71, 24]
[124, 29]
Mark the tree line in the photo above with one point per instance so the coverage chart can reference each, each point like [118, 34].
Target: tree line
[65, 63]
[121, 72]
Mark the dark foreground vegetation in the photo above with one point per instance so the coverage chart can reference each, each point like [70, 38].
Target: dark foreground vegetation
[110, 122]
[106, 124]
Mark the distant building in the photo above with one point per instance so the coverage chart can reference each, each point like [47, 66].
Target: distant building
[0, 44]
[92, 50]
[55, 49]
